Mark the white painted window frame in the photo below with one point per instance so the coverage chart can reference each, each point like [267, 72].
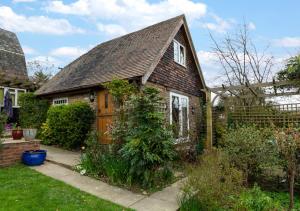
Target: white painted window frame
[180, 113]
[60, 99]
[178, 53]
[16, 93]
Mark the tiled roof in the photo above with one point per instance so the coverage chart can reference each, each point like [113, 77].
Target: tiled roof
[12, 60]
[129, 56]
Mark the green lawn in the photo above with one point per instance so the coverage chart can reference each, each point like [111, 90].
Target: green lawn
[22, 188]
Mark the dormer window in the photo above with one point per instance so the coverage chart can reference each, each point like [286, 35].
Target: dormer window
[179, 53]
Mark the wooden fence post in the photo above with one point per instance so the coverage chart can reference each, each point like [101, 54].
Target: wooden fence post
[209, 132]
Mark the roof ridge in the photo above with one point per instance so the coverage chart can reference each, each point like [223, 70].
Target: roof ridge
[111, 40]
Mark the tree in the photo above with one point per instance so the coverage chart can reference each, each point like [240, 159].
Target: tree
[288, 141]
[241, 61]
[41, 72]
[291, 70]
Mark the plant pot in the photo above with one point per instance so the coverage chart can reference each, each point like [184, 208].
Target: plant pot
[17, 134]
[34, 157]
[29, 134]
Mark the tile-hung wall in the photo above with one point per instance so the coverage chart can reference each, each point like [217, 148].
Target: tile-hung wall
[14, 93]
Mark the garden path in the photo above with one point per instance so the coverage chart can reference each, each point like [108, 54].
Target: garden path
[59, 168]
[62, 157]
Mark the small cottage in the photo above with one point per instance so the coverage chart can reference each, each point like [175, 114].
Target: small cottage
[13, 72]
[161, 56]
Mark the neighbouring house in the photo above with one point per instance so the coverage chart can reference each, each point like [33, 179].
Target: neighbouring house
[13, 72]
[161, 56]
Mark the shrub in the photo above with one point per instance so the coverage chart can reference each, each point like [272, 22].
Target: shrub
[251, 149]
[3, 119]
[68, 125]
[33, 111]
[98, 160]
[256, 200]
[213, 183]
[149, 144]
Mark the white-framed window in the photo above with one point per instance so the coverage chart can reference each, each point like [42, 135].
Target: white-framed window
[179, 53]
[14, 93]
[60, 101]
[179, 115]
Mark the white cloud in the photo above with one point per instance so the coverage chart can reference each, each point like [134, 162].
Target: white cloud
[28, 50]
[129, 14]
[218, 25]
[67, 51]
[288, 42]
[112, 30]
[38, 24]
[23, 1]
[251, 26]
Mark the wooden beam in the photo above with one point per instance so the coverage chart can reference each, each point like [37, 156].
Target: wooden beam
[257, 85]
[272, 95]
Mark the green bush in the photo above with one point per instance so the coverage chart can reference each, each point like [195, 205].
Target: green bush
[256, 200]
[99, 160]
[213, 183]
[251, 149]
[149, 144]
[2, 124]
[68, 125]
[33, 111]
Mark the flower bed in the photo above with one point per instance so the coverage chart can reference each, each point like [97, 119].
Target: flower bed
[12, 150]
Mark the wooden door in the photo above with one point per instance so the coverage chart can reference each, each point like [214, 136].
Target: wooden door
[105, 116]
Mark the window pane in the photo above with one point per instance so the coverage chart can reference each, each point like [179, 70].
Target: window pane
[1, 96]
[106, 100]
[175, 116]
[13, 98]
[184, 117]
[176, 53]
[182, 55]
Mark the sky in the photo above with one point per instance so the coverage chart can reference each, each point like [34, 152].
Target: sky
[57, 32]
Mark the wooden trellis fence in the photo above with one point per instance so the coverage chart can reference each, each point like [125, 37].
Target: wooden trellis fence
[257, 111]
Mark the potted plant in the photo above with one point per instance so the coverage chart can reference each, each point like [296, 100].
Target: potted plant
[29, 133]
[34, 157]
[16, 132]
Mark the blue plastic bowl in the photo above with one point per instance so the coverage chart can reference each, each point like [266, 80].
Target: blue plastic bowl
[34, 157]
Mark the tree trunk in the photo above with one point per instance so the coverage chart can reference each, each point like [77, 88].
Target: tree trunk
[291, 187]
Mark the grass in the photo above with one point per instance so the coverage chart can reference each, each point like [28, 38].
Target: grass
[282, 197]
[22, 188]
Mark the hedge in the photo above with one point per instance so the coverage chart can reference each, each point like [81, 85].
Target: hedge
[68, 125]
[33, 111]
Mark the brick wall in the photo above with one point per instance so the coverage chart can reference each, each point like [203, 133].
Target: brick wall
[194, 104]
[11, 152]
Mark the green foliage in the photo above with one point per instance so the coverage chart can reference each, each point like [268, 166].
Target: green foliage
[256, 200]
[251, 149]
[190, 204]
[291, 70]
[214, 182]
[68, 125]
[99, 160]
[3, 119]
[121, 90]
[33, 111]
[149, 144]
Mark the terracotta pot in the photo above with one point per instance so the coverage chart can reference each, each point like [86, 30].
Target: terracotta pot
[17, 134]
